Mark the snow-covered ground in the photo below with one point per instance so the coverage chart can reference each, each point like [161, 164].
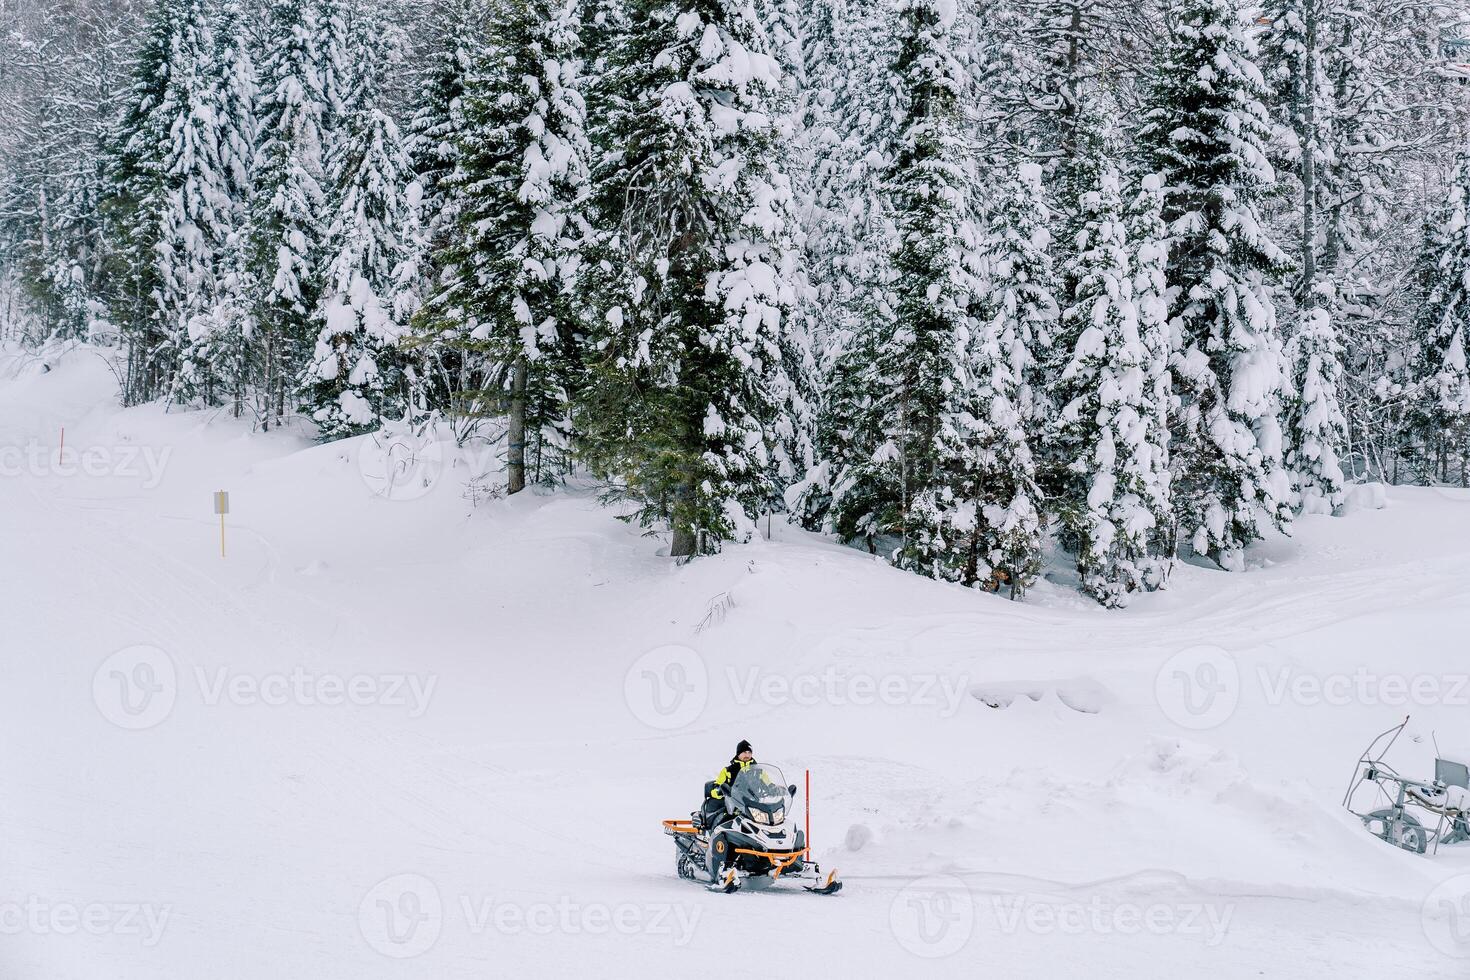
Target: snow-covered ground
[431, 737]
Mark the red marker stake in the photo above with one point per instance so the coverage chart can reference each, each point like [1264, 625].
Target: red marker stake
[808, 814]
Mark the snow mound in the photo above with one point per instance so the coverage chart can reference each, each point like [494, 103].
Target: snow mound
[1364, 496]
[1081, 694]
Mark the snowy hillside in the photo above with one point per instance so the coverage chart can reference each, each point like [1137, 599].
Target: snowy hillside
[425, 737]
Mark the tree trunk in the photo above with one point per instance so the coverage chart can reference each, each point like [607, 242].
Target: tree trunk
[269, 378]
[515, 477]
[1307, 92]
[684, 541]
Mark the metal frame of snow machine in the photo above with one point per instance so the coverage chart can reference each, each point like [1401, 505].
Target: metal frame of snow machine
[1395, 823]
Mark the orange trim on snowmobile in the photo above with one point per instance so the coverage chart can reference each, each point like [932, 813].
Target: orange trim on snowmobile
[679, 827]
[781, 859]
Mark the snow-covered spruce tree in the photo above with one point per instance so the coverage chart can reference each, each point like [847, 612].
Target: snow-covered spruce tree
[849, 123]
[1205, 130]
[196, 217]
[340, 49]
[235, 92]
[1315, 428]
[355, 378]
[288, 247]
[168, 194]
[1021, 286]
[896, 378]
[1314, 422]
[1148, 244]
[134, 198]
[1440, 418]
[520, 186]
[434, 130]
[695, 271]
[1017, 323]
[1115, 481]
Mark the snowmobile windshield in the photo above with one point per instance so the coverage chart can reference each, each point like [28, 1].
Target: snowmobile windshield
[759, 787]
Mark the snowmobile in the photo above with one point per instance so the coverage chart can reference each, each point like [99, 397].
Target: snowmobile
[1446, 800]
[752, 833]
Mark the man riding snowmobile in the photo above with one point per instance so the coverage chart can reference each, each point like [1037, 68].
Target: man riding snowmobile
[745, 828]
[714, 802]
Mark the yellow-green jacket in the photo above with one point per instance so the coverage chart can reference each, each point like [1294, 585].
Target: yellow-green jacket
[727, 775]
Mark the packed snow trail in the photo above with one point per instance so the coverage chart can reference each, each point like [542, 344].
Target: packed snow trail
[421, 738]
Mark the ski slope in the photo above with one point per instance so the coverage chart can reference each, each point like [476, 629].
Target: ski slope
[434, 737]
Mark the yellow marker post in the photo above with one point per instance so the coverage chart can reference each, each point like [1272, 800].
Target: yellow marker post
[221, 507]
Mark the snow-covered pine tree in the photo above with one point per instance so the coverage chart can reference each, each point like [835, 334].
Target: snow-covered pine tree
[602, 23]
[235, 97]
[288, 248]
[1440, 420]
[1148, 242]
[849, 122]
[1021, 286]
[1017, 325]
[1314, 424]
[1116, 475]
[520, 188]
[355, 377]
[1205, 130]
[195, 219]
[340, 49]
[897, 376]
[696, 271]
[168, 195]
[134, 197]
[438, 120]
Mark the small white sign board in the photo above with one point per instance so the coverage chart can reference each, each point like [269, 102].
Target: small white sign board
[221, 502]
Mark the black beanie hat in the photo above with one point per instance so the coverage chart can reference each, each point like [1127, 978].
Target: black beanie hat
[744, 746]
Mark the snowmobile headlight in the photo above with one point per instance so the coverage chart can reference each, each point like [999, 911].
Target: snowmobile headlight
[760, 816]
[779, 815]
